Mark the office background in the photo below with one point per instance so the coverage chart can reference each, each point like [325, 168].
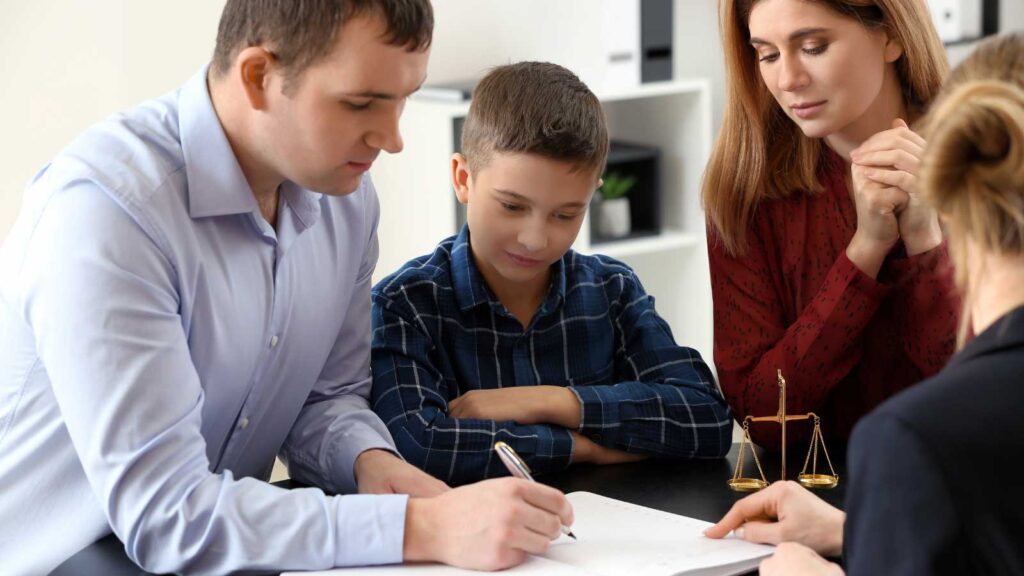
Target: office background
[66, 64]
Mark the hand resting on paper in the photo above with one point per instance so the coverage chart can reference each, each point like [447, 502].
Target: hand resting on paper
[784, 512]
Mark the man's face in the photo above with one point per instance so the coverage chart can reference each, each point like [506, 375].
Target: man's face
[325, 131]
[524, 212]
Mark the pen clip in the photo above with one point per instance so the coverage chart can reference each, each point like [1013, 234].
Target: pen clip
[511, 459]
[517, 467]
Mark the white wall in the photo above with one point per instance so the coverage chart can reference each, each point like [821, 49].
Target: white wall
[66, 64]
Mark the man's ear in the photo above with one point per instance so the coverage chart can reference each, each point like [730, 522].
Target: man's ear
[461, 177]
[893, 50]
[254, 65]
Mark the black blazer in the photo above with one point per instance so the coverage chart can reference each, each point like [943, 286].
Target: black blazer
[937, 472]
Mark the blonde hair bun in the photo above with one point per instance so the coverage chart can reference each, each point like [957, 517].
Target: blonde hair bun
[972, 170]
[976, 143]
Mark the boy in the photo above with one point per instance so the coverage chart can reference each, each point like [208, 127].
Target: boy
[504, 333]
[186, 295]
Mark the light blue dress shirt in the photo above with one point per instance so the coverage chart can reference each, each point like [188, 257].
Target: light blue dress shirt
[161, 343]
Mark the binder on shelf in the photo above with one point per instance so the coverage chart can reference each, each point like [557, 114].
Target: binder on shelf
[960, 21]
[656, 42]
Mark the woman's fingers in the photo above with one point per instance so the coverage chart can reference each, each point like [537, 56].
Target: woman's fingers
[761, 532]
[905, 181]
[900, 138]
[894, 158]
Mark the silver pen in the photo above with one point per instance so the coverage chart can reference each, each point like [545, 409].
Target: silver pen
[519, 469]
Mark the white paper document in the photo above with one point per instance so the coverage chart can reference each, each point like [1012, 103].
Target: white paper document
[615, 539]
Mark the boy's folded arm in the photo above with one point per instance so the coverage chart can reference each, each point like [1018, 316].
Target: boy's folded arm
[542, 404]
[665, 401]
[677, 419]
[411, 395]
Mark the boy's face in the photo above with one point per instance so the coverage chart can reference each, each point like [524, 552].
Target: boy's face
[337, 116]
[524, 212]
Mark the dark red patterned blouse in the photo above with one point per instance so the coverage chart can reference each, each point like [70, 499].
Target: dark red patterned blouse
[844, 341]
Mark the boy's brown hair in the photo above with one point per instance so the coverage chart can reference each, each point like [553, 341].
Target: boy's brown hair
[300, 32]
[535, 108]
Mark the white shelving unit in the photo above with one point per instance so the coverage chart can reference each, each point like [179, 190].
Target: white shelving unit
[418, 203]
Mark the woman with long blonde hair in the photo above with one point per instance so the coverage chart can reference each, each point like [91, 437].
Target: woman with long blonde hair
[933, 469]
[824, 262]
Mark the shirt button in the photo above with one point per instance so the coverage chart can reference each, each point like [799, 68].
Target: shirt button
[243, 423]
[273, 341]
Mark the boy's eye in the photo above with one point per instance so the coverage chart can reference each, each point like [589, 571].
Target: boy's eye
[511, 207]
[567, 217]
[356, 105]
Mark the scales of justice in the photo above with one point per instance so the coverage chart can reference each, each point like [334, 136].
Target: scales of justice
[809, 480]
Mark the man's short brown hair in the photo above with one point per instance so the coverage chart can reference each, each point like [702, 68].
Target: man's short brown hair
[300, 32]
[535, 108]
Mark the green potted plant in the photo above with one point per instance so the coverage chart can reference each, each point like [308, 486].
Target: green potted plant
[613, 217]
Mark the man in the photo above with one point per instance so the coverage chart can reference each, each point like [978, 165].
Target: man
[186, 295]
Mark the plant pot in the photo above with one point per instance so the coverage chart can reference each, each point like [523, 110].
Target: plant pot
[613, 218]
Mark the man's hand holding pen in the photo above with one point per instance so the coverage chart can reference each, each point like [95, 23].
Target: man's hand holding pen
[490, 525]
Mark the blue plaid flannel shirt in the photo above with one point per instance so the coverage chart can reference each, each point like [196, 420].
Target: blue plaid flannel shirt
[439, 331]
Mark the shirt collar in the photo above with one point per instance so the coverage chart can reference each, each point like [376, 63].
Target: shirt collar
[303, 203]
[1006, 332]
[471, 289]
[216, 184]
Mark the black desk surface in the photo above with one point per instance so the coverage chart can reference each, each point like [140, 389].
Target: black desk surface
[692, 488]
